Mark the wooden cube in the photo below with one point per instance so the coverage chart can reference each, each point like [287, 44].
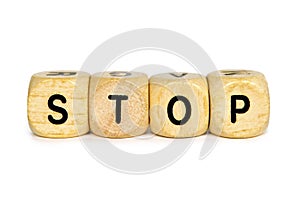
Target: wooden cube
[240, 105]
[118, 104]
[58, 104]
[179, 105]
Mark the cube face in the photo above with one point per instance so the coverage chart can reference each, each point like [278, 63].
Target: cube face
[118, 104]
[57, 104]
[240, 105]
[179, 105]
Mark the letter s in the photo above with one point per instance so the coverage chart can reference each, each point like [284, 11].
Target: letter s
[57, 109]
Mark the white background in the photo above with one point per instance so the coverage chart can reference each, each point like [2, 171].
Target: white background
[260, 35]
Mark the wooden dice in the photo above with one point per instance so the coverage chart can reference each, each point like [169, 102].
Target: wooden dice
[240, 105]
[230, 103]
[118, 104]
[58, 104]
[179, 105]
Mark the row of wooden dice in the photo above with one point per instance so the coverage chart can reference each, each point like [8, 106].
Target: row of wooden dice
[228, 103]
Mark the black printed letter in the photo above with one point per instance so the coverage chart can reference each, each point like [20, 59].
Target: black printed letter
[187, 112]
[235, 110]
[57, 109]
[118, 99]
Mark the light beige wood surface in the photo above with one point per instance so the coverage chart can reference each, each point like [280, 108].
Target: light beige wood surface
[74, 87]
[163, 87]
[134, 111]
[225, 83]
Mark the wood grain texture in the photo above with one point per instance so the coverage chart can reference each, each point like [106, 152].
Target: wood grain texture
[134, 111]
[163, 87]
[225, 83]
[74, 87]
